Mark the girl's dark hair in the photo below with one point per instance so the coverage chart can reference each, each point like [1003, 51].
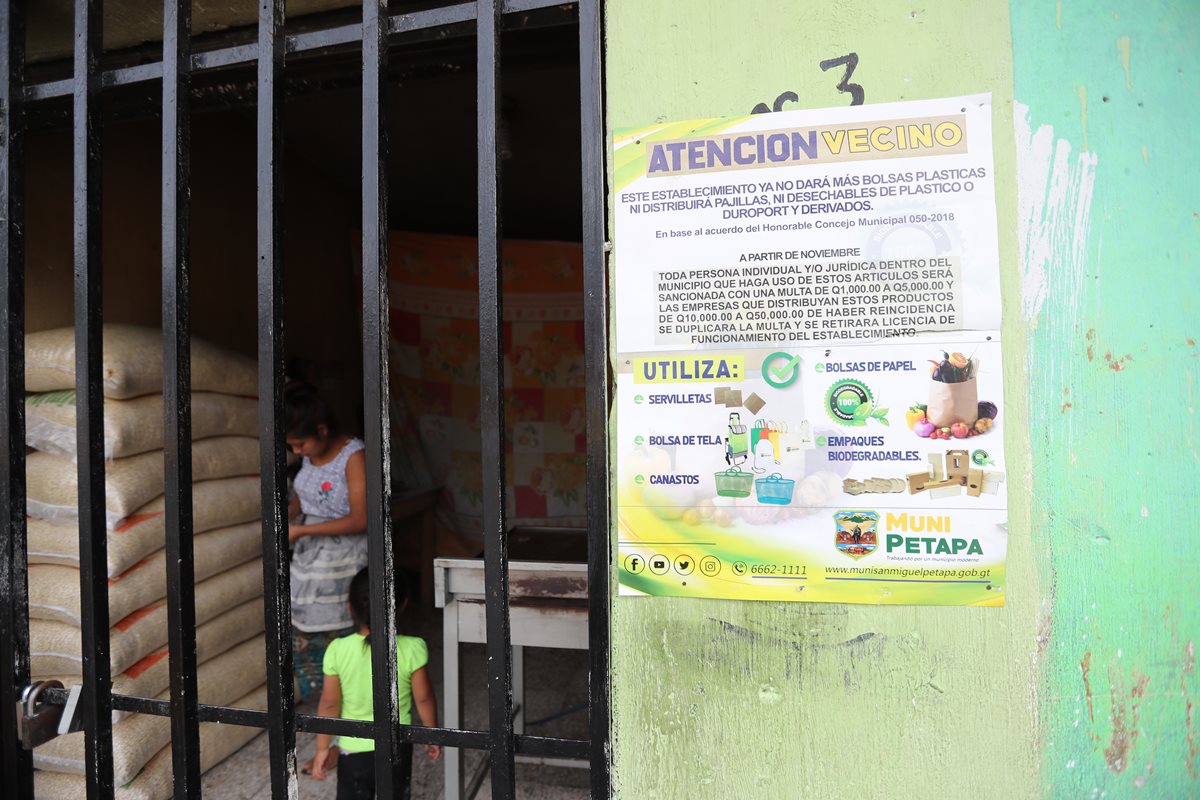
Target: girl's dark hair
[306, 411]
[360, 602]
[360, 599]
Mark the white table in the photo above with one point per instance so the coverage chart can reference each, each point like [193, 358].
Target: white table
[547, 608]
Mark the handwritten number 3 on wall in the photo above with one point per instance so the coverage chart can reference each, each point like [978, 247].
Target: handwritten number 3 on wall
[850, 61]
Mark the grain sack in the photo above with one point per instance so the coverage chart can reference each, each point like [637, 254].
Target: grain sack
[54, 590]
[133, 426]
[137, 738]
[129, 483]
[54, 647]
[151, 675]
[217, 743]
[215, 504]
[133, 360]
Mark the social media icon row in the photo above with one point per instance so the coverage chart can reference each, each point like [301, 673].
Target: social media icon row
[683, 564]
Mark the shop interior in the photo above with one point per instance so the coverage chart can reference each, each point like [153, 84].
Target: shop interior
[432, 211]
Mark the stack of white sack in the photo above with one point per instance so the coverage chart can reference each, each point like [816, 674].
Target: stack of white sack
[141, 742]
[227, 546]
[154, 781]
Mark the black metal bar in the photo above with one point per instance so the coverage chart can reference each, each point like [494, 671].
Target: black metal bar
[596, 402]
[122, 76]
[520, 6]
[335, 726]
[491, 402]
[320, 39]
[177, 397]
[449, 737]
[16, 763]
[376, 398]
[136, 74]
[433, 18]
[281, 702]
[48, 90]
[227, 57]
[550, 746]
[89, 408]
[295, 44]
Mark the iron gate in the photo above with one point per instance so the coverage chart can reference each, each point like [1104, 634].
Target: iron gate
[269, 53]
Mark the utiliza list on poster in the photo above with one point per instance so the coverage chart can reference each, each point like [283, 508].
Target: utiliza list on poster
[809, 380]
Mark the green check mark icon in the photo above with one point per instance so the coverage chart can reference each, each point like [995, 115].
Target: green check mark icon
[781, 369]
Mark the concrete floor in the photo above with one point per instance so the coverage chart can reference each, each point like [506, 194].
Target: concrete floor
[555, 680]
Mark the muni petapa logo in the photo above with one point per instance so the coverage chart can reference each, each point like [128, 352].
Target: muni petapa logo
[857, 532]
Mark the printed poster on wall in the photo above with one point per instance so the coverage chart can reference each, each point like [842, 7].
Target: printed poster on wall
[809, 394]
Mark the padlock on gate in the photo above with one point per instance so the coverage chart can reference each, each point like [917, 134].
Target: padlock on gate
[38, 722]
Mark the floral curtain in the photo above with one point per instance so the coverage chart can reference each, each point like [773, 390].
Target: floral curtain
[435, 373]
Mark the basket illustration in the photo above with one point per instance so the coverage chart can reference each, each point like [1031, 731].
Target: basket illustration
[775, 489]
[734, 483]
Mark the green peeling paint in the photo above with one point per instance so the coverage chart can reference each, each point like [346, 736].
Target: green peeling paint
[1113, 389]
[1084, 684]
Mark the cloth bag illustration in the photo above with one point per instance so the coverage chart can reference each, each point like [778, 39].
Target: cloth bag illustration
[759, 431]
[798, 437]
[778, 431]
[795, 438]
[953, 402]
[764, 448]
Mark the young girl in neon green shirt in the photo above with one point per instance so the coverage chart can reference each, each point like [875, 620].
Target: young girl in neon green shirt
[347, 694]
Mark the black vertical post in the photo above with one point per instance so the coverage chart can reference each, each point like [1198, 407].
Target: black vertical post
[491, 402]
[595, 323]
[177, 392]
[277, 600]
[89, 408]
[376, 397]
[16, 764]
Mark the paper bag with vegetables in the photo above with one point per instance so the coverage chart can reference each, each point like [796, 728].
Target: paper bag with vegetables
[953, 391]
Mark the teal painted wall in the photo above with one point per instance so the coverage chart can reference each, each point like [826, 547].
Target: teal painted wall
[1113, 387]
[723, 699]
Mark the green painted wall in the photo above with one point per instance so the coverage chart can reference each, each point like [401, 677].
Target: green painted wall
[747, 700]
